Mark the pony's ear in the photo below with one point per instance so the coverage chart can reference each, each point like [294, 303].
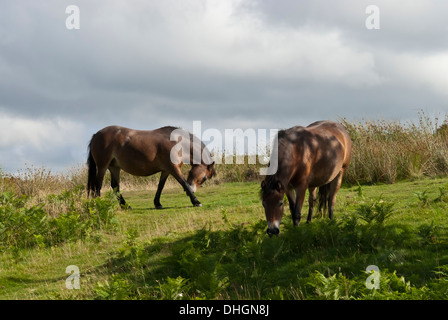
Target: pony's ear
[211, 168]
[279, 186]
[263, 184]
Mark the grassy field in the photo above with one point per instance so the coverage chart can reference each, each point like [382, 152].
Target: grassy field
[221, 250]
[391, 213]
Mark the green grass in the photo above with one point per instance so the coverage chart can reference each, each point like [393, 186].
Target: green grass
[221, 250]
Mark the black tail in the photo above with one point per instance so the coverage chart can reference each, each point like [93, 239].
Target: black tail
[323, 197]
[91, 164]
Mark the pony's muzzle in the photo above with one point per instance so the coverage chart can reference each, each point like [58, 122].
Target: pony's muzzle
[272, 231]
[273, 228]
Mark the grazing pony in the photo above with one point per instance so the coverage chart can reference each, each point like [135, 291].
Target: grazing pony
[144, 153]
[310, 157]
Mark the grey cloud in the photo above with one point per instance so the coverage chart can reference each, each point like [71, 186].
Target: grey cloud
[419, 26]
[231, 64]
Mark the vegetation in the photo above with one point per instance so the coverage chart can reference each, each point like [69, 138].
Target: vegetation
[221, 250]
[322, 260]
[60, 218]
[387, 151]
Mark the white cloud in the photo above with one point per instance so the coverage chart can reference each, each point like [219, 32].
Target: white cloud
[39, 141]
[227, 38]
[422, 71]
[38, 133]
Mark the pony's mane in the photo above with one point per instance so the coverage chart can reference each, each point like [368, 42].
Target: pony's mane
[270, 184]
[281, 134]
[171, 128]
[271, 181]
[203, 146]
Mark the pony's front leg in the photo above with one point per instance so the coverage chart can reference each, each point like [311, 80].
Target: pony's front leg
[300, 196]
[162, 181]
[177, 174]
[290, 195]
[190, 193]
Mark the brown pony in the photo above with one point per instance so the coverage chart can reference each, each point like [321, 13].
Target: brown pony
[144, 153]
[310, 157]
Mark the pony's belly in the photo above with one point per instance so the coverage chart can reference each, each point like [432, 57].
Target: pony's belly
[318, 181]
[139, 169]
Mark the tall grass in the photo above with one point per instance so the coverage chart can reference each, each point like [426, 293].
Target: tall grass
[40, 181]
[383, 151]
[387, 151]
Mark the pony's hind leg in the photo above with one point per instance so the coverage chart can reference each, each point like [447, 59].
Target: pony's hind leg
[164, 175]
[115, 184]
[99, 181]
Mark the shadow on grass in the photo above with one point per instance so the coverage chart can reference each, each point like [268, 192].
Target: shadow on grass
[243, 263]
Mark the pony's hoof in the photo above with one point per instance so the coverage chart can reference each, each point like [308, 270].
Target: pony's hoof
[197, 204]
[159, 207]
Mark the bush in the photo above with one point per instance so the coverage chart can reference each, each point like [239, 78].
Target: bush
[19, 223]
[63, 217]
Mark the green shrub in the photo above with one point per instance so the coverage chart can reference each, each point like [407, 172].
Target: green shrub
[64, 217]
[118, 288]
[374, 211]
[173, 289]
[20, 223]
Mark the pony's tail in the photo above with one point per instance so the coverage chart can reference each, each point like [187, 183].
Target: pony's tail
[323, 197]
[91, 165]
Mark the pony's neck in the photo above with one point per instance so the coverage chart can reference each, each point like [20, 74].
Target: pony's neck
[284, 171]
[283, 177]
[200, 152]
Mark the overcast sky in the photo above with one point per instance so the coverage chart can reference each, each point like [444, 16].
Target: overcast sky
[229, 63]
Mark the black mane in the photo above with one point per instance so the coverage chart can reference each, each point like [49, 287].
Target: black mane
[268, 185]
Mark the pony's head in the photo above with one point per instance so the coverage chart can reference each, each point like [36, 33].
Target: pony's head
[200, 173]
[272, 194]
